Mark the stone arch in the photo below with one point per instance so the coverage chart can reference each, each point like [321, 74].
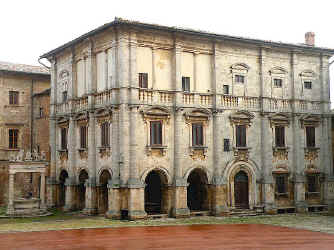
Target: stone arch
[82, 177]
[204, 169]
[105, 176]
[101, 171]
[156, 198]
[62, 188]
[160, 169]
[198, 190]
[230, 173]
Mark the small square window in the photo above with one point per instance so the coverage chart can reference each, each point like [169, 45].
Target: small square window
[143, 80]
[13, 97]
[65, 96]
[226, 90]
[307, 84]
[239, 79]
[186, 83]
[41, 112]
[278, 83]
[226, 145]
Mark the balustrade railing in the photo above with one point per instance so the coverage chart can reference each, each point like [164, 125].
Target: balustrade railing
[103, 98]
[147, 96]
[80, 103]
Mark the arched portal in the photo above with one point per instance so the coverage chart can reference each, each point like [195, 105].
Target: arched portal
[103, 191]
[83, 176]
[241, 195]
[155, 192]
[197, 190]
[62, 189]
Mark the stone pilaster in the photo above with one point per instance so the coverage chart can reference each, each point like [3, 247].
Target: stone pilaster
[180, 208]
[10, 207]
[133, 70]
[70, 194]
[153, 68]
[42, 193]
[114, 200]
[91, 206]
[52, 188]
[136, 188]
[266, 157]
[177, 77]
[218, 189]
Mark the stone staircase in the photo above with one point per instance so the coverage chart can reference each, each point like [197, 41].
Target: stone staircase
[242, 212]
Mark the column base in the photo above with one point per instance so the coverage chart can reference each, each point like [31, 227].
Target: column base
[112, 214]
[270, 209]
[89, 211]
[301, 207]
[137, 215]
[181, 212]
[10, 211]
[220, 211]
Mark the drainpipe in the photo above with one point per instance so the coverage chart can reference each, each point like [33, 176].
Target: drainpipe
[39, 60]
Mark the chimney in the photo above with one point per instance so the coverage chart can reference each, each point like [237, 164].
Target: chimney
[309, 38]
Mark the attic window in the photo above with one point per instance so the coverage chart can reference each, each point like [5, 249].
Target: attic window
[308, 84]
[278, 83]
[239, 79]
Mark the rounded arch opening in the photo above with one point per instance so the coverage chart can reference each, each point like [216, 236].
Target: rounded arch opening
[105, 176]
[241, 190]
[197, 190]
[83, 176]
[156, 192]
[62, 188]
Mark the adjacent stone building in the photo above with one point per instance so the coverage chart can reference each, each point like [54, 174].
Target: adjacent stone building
[149, 119]
[18, 84]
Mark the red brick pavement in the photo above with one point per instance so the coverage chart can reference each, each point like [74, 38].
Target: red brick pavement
[201, 237]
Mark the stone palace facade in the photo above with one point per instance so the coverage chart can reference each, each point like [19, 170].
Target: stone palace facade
[148, 119]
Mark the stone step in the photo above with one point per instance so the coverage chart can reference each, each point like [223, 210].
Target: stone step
[199, 213]
[157, 216]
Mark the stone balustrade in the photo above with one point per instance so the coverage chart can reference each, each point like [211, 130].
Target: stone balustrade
[148, 96]
[80, 104]
[103, 98]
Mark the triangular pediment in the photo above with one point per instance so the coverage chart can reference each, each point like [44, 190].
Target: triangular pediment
[278, 70]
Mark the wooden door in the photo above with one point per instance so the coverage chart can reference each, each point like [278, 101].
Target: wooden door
[241, 190]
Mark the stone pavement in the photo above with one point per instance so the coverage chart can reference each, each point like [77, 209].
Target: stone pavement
[203, 237]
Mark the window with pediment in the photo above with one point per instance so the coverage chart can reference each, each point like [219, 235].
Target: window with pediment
[241, 121]
[307, 78]
[239, 73]
[104, 120]
[156, 120]
[197, 121]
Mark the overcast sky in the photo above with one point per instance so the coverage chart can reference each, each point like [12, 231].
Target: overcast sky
[31, 28]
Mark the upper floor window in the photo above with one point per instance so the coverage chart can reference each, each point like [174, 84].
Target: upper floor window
[156, 132]
[105, 132]
[64, 96]
[310, 137]
[83, 136]
[143, 80]
[240, 135]
[197, 134]
[280, 136]
[13, 138]
[226, 90]
[308, 84]
[63, 142]
[239, 79]
[185, 83]
[278, 83]
[13, 97]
